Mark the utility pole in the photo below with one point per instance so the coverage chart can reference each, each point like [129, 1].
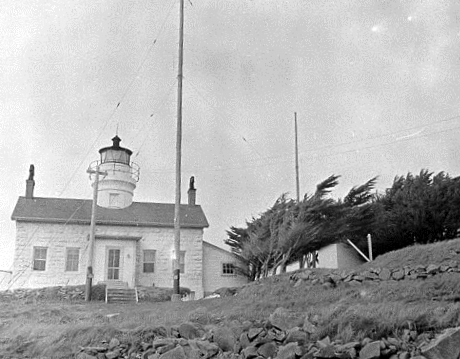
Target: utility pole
[89, 272]
[369, 245]
[296, 159]
[176, 272]
[297, 187]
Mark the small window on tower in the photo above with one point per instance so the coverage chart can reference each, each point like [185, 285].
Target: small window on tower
[114, 200]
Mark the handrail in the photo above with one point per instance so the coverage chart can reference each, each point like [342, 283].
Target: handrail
[134, 168]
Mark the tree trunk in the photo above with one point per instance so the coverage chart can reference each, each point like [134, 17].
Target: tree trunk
[302, 262]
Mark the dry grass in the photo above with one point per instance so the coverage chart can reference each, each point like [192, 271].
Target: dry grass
[57, 329]
[434, 253]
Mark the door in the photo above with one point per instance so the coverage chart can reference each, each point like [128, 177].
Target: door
[113, 264]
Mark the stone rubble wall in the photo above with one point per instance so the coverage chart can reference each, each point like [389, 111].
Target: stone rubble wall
[285, 335]
[356, 277]
[77, 293]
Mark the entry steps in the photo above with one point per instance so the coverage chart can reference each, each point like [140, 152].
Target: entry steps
[119, 292]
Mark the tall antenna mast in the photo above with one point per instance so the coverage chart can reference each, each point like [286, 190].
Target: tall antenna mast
[176, 273]
[296, 159]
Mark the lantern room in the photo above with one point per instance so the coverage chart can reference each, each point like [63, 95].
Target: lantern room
[118, 176]
[115, 153]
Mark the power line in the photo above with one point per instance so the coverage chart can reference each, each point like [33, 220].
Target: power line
[122, 97]
[222, 117]
[279, 159]
[150, 124]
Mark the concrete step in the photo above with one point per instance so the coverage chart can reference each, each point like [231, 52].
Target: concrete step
[121, 295]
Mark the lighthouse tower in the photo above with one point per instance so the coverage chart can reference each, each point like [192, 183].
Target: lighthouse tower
[116, 186]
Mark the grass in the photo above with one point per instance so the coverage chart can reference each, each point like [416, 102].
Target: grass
[57, 329]
[434, 253]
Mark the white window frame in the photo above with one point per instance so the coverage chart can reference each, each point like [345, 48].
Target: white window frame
[35, 260]
[149, 262]
[228, 269]
[70, 264]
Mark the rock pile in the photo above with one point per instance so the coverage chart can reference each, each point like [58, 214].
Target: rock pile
[284, 335]
[65, 293]
[356, 277]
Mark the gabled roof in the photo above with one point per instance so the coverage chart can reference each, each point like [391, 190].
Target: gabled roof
[213, 246]
[78, 211]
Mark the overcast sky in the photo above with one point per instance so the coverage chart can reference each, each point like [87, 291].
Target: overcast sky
[375, 85]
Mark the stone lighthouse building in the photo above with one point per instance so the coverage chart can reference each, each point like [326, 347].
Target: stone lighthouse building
[134, 241]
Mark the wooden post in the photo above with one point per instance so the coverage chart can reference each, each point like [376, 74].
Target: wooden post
[369, 245]
[89, 271]
[176, 272]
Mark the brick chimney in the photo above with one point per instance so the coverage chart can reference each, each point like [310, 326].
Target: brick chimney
[192, 192]
[30, 183]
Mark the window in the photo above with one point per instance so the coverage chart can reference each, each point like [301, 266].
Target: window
[149, 261]
[113, 266]
[114, 200]
[40, 258]
[228, 269]
[181, 262]
[71, 259]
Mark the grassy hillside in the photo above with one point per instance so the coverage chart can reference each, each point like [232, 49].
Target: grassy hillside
[56, 329]
[435, 253]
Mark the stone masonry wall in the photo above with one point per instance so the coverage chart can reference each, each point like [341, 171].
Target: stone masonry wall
[56, 237]
[213, 278]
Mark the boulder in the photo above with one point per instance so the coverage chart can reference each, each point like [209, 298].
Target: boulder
[254, 332]
[296, 335]
[85, 356]
[244, 340]
[370, 351]
[446, 346]
[250, 352]
[267, 350]
[308, 326]
[283, 319]
[176, 353]
[112, 354]
[398, 275]
[385, 274]
[289, 351]
[224, 338]
[189, 331]
[432, 269]
[207, 348]
[326, 352]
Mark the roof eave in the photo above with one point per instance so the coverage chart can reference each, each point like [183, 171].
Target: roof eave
[110, 223]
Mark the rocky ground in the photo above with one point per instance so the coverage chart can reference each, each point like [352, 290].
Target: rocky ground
[401, 306]
[285, 335]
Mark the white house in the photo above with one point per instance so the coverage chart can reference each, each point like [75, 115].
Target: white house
[134, 240]
[338, 256]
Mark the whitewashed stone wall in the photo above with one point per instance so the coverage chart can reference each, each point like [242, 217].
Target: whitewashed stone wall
[56, 237]
[213, 278]
[338, 255]
[327, 257]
